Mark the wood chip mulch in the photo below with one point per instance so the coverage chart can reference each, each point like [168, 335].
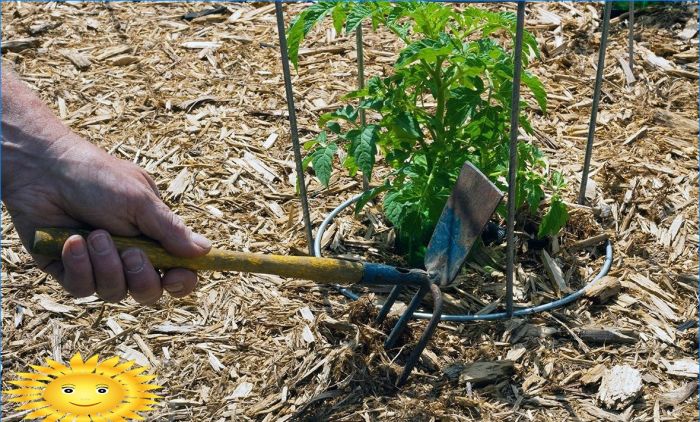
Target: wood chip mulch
[200, 105]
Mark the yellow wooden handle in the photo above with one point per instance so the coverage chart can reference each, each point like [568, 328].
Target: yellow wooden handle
[49, 242]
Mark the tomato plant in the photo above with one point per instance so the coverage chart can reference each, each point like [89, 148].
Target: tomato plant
[447, 101]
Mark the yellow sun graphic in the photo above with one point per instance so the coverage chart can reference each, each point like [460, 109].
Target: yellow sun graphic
[89, 391]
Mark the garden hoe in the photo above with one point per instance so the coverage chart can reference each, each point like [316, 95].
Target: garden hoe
[468, 209]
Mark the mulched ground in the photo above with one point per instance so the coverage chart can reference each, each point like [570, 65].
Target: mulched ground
[210, 127]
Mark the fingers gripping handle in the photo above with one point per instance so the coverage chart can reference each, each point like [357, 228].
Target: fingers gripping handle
[49, 242]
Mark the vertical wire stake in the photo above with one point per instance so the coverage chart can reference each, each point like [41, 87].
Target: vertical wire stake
[513, 152]
[630, 41]
[293, 124]
[359, 47]
[596, 100]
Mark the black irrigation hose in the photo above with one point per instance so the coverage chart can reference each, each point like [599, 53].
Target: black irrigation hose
[470, 317]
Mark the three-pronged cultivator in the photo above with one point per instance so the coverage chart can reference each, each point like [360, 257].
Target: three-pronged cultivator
[472, 202]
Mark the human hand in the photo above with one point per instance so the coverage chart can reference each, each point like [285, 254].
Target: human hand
[52, 177]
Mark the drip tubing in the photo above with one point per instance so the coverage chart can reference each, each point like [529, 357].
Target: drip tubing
[469, 317]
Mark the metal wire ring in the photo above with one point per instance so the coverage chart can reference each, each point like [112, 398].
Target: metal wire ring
[469, 317]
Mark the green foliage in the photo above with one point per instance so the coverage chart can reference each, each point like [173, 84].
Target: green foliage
[555, 218]
[557, 215]
[302, 24]
[446, 102]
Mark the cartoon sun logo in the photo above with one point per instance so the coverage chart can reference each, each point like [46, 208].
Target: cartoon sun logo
[85, 391]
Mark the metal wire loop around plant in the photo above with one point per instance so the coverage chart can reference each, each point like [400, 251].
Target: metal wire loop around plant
[463, 317]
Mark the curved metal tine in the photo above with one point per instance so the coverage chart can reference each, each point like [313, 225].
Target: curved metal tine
[384, 311]
[425, 337]
[405, 317]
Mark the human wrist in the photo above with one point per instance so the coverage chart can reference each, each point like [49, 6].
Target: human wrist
[33, 138]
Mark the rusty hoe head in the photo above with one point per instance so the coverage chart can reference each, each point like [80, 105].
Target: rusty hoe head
[469, 207]
[467, 211]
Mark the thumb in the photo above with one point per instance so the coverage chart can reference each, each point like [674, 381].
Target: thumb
[158, 222]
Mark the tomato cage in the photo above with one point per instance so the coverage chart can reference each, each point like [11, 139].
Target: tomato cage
[471, 202]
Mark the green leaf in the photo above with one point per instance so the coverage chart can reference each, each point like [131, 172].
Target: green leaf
[322, 159]
[321, 138]
[530, 42]
[294, 36]
[394, 207]
[350, 165]
[558, 180]
[306, 161]
[426, 49]
[364, 149]
[348, 113]
[302, 25]
[339, 14]
[334, 127]
[358, 13]
[408, 124]
[532, 189]
[431, 18]
[537, 89]
[555, 219]
[462, 101]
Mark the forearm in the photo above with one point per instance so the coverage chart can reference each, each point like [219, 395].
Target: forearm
[31, 134]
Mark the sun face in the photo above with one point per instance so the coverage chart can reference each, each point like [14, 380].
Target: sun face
[85, 391]
[84, 394]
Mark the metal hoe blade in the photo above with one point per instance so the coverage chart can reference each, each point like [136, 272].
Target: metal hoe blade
[469, 207]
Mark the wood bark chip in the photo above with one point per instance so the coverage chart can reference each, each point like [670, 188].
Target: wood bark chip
[607, 335]
[482, 372]
[602, 415]
[51, 305]
[41, 27]
[123, 60]
[640, 133]
[555, 273]
[672, 119]
[189, 105]
[691, 28]
[19, 44]
[591, 241]
[198, 45]
[79, 60]
[593, 375]
[625, 66]
[114, 51]
[179, 184]
[679, 395]
[314, 51]
[686, 367]
[604, 289]
[619, 387]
